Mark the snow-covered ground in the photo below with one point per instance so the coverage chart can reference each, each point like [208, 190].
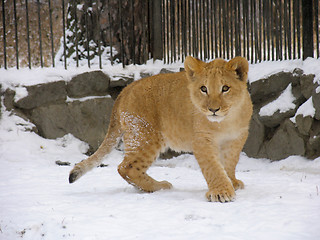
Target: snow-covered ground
[281, 200]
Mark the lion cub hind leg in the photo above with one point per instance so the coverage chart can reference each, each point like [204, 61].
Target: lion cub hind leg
[138, 159]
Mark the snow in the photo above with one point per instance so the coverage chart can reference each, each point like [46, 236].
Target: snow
[11, 78]
[306, 109]
[83, 99]
[281, 200]
[282, 104]
[21, 92]
[265, 69]
[311, 66]
[26, 77]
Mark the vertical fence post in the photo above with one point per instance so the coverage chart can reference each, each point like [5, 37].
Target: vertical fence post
[99, 38]
[86, 16]
[133, 39]
[76, 31]
[173, 35]
[299, 26]
[110, 32]
[157, 30]
[121, 34]
[307, 34]
[16, 32]
[28, 35]
[143, 56]
[316, 18]
[51, 33]
[39, 31]
[64, 35]
[168, 43]
[4, 35]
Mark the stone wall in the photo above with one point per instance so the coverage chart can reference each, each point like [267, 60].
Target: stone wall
[290, 131]
[83, 106]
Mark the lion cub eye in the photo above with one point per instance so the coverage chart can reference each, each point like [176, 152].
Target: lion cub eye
[225, 88]
[204, 89]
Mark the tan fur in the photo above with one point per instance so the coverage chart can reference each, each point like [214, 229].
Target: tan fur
[173, 110]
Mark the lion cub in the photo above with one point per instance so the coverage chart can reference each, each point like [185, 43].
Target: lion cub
[205, 110]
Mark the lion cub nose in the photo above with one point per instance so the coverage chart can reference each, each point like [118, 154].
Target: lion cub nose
[214, 110]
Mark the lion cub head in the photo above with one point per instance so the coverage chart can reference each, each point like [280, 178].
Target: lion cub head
[218, 87]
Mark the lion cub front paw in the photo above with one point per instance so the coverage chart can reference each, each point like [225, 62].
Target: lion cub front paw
[221, 195]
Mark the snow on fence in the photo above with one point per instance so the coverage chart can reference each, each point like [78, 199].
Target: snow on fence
[61, 32]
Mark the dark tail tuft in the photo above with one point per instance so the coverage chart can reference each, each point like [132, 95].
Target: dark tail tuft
[73, 177]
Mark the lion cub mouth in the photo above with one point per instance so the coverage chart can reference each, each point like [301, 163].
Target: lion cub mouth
[215, 118]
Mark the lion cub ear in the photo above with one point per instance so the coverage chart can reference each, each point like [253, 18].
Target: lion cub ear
[240, 66]
[193, 65]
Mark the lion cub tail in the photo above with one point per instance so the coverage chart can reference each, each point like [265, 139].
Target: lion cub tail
[111, 140]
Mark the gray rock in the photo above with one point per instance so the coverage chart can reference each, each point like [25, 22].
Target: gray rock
[8, 99]
[316, 104]
[315, 129]
[94, 83]
[121, 82]
[163, 70]
[285, 142]
[307, 85]
[43, 94]
[304, 124]
[313, 144]
[1, 94]
[117, 85]
[297, 93]
[86, 120]
[114, 92]
[168, 154]
[145, 74]
[268, 89]
[298, 71]
[277, 118]
[8, 103]
[255, 138]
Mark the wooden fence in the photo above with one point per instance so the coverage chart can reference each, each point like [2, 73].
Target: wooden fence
[161, 29]
[256, 29]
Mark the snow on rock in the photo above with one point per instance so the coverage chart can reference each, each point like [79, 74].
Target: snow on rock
[27, 77]
[21, 92]
[283, 103]
[267, 68]
[306, 109]
[311, 66]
